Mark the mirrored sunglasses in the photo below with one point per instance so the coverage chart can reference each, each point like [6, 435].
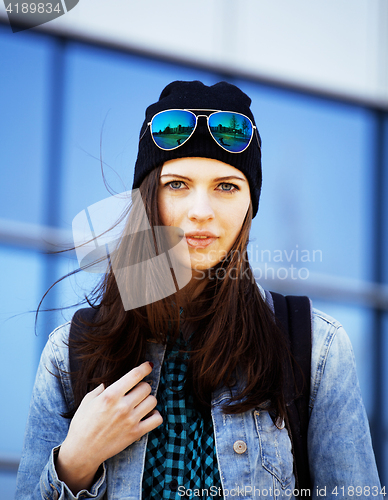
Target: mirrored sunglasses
[172, 128]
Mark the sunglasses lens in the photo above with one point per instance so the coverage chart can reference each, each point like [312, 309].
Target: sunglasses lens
[172, 128]
[232, 131]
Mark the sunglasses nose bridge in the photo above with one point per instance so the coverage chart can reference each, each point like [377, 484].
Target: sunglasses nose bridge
[202, 124]
[202, 119]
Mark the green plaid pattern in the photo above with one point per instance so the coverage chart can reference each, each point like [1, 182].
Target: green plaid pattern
[181, 451]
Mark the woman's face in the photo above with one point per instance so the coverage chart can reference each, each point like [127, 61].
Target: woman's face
[208, 200]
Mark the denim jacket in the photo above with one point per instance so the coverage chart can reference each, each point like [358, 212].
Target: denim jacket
[254, 456]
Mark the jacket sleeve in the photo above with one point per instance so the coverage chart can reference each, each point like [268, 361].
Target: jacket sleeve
[46, 429]
[341, 458]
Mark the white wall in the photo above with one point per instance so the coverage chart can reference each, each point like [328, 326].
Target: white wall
[340, 46]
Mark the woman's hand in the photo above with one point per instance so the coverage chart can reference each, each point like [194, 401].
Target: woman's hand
[106, 422]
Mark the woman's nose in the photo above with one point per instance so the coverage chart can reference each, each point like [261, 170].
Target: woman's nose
[200, 207]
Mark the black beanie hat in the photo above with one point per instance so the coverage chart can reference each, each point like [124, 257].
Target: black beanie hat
[195, 95]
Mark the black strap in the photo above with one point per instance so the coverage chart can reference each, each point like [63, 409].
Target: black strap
[294, 315]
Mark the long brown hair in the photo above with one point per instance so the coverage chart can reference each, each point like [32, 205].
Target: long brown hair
[235, 335]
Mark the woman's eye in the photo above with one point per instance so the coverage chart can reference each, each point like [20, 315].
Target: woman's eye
[225, 186]
[175, 184]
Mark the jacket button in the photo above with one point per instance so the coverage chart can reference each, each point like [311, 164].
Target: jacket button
[174, 485]
[240, 447]
[55, 492]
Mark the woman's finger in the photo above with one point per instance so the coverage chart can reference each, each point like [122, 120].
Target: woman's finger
[144, 408]
[151, 422]
[128, 381]
[93, 394]
[136, 395]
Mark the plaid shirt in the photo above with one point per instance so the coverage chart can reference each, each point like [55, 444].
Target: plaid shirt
[180, 452]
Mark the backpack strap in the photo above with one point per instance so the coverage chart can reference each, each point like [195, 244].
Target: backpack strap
[294, 315]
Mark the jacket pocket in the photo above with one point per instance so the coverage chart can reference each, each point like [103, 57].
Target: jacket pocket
[275, 448]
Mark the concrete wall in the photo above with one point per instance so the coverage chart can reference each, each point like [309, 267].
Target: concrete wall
[338, 46]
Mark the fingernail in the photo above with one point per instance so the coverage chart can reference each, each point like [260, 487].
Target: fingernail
[151, 363]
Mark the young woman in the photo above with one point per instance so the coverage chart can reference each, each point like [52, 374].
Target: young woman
[185, 396]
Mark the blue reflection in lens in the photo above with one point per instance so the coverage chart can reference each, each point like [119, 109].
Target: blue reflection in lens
[231, 130]
[172, 128]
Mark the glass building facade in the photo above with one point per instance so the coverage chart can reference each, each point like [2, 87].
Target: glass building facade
[68, 108]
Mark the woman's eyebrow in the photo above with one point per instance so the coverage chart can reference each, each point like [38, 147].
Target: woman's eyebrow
[218, 179]
[229, 177]
[176, 175]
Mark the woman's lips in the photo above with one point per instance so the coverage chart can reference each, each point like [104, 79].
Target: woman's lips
[200, 239]
[199, 242]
